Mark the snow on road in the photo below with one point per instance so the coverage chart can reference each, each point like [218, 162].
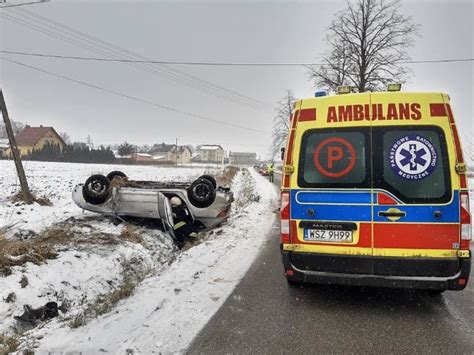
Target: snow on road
[169, 308]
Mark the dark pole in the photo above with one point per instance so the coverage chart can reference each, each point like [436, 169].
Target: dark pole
[25, 190]
[176, 152]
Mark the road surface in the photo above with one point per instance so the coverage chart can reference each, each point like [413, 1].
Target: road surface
[266, 316]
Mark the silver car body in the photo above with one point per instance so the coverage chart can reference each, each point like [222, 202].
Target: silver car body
[151, 200]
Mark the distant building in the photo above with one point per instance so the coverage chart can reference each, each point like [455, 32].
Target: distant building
[36, 138]
[211, 153]
[169, 152]
[163, 152]
[243, 158]
[4, 145]
[183, 155]
[142, 157]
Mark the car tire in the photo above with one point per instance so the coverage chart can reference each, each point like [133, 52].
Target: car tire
[293, 283]
[211, 179]
[201, 193]
[434, 293]
[96, 189]
[116, 174]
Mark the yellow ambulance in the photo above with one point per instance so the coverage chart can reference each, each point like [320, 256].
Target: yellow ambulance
[374, 192]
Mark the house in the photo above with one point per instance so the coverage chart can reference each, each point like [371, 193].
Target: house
[163, 152]
[142, 157]
[4, 145]
[243, 158]
[183, 155]
[36, 138]
[211, 153]
[171, 153]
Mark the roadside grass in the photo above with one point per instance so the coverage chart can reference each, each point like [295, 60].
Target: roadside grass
[131, 234]
[106, 302]
[227, 175]
[8, 344]
[18, 198]
[18, 252]
[41, 247]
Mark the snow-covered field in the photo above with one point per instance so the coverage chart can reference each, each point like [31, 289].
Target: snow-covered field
[181, 290]
[56, 181]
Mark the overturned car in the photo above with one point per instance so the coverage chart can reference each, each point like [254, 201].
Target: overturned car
[115, 195]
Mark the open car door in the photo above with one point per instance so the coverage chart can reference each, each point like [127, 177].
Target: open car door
[166, 214]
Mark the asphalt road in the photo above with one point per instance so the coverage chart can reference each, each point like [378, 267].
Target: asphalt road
[265, 315]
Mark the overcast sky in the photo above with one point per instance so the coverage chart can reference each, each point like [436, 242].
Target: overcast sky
[224, 31]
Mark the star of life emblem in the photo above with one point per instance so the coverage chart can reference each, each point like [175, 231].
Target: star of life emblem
[413, 157]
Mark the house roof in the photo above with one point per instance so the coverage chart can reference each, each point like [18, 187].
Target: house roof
[29, 136]
[4, 143]
[210, 147]
[243, 154]
[162, 148]
[182, 148]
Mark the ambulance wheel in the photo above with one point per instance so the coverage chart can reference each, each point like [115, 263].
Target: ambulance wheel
[96, 189]
[116, 174]
[293, 283]
[201, 193]
[211, 179]
[434, 293]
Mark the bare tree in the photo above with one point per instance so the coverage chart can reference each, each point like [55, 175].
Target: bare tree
[126, 149]
[281, 123]
[65, 137]
[16, 126]
[367, 45]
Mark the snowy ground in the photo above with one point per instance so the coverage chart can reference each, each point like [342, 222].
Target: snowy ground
[56, 181]
[181, 292]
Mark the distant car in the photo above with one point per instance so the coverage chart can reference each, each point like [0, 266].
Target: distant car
[116, 195]
[262, 170]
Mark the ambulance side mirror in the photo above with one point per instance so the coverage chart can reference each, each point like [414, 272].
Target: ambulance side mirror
[282, 153]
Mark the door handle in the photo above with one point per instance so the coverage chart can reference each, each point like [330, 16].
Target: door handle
[392, 214]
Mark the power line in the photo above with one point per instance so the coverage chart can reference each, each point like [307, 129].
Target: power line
[110, 52]
[58, 56]
[169, 108]
[84, 40]
[24, 3]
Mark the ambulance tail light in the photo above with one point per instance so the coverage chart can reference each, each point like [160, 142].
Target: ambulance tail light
[466, 228]
[285, 218]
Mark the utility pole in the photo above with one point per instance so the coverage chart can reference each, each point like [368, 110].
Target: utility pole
[176, 151]
[25, 190]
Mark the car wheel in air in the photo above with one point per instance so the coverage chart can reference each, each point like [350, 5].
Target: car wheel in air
[96, 189]
[116, 174]
[211, 179]
[201, 193]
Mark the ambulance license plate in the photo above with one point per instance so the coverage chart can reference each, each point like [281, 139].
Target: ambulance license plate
[325, 235]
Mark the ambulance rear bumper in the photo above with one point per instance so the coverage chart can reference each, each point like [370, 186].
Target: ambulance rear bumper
[458, 281]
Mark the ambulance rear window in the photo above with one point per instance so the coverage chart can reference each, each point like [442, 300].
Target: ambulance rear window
[335, 158]
[412, 163]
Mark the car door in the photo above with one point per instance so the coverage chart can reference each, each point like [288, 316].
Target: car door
[332, 206]
[166, 213]
[416, 211]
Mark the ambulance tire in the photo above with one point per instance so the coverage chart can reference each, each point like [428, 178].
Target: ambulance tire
[116, 174]
[211, 179]
[96, 189]
[293, 283]
[201, 193]
[434, 293]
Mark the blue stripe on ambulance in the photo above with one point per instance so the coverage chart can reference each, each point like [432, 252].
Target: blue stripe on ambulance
[331, 205]
[356, 206]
